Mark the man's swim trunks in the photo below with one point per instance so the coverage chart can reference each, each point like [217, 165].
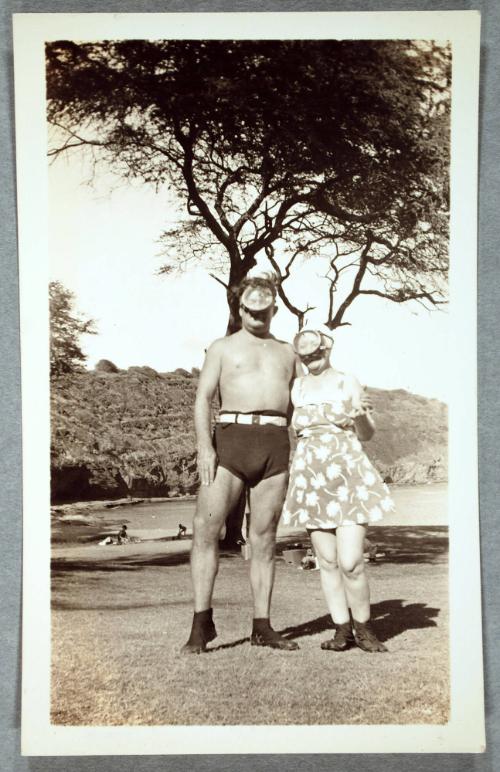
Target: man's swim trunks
[252, 452]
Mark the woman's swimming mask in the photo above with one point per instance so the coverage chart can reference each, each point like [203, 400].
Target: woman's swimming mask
[310, 344]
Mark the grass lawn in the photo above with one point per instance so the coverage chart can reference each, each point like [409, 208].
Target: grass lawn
[118, 624]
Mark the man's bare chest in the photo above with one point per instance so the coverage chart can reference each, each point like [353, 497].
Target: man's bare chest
[265, 358]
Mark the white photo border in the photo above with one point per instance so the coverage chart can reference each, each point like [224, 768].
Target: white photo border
[465, 731]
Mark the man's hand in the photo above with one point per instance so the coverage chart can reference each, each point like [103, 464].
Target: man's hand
[207, 464]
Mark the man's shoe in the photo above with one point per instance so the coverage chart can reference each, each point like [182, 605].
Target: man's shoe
[274, 640]
[197, 644]
[202, 632]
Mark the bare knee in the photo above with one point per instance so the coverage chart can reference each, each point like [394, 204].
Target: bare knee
[263, 540]
[327, 563]
[352, 567]
[205, 530]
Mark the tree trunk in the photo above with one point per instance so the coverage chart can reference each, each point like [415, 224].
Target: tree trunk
[234, 524]
[234, 520]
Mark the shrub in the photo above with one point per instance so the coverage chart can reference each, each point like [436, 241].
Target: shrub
[105, 366]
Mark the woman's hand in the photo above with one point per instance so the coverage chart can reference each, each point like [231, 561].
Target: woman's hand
[362, 406]
[363, 420]
[366, 404]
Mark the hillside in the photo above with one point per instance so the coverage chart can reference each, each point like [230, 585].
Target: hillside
[131, 432]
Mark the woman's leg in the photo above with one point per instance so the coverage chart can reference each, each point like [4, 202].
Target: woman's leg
[325, 547]
[350, 540]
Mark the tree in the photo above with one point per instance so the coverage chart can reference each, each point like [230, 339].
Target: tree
[282, 148]
[66, 327]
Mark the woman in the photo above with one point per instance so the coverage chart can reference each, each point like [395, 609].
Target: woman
[334, 490]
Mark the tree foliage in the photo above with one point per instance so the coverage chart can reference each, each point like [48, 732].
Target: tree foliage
[280, 148]
[66, 327]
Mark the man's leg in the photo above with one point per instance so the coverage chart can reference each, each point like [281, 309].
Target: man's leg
[266, 503]
[212, 507]
[234, 524]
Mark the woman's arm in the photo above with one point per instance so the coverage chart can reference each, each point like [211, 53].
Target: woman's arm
[362, 406]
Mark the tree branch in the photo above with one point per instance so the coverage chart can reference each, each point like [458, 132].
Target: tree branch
[214, 276]
[403, 297]
[337, 320]
[194, 195]
[274, 229]
[326, 205]
[289, 305]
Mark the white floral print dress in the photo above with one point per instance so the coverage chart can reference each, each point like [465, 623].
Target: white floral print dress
[332, 481]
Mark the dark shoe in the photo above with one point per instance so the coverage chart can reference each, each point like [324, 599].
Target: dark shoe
[342, 640]
[274, 640]
[365, 638]
[202, 632]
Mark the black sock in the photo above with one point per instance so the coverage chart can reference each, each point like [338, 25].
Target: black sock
[261, 625]
[203, 628]
[203, 625]
[202, 617]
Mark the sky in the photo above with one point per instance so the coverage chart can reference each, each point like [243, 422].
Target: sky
[104, 247]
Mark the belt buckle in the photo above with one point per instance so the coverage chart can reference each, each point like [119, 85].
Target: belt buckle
[255, 419]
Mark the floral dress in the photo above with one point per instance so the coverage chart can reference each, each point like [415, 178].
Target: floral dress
[332, 482]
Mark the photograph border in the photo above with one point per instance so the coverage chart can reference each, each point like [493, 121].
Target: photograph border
[458, 320]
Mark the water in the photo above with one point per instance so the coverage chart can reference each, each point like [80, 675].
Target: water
[415, 505]
[419, 505]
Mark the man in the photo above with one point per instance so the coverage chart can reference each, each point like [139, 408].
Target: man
[253, 372]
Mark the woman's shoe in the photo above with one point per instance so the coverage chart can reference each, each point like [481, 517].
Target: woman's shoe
[342, 640]
[365, 638]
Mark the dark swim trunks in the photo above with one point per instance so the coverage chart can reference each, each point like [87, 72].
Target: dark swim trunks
[252, 452]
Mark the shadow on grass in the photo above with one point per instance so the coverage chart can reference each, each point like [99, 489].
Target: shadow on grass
[400, 543]
[61, 605]
[390, 617]
[61, 565]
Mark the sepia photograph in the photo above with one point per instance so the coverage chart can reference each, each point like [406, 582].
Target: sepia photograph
[242, 307]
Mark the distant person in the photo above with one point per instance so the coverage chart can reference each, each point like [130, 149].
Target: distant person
[181, 532]
[334, 490]
[253, 372]
[371, 551]
[308, 562]
[122, 537]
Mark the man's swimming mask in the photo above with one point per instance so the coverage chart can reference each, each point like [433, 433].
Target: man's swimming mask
[257, 299]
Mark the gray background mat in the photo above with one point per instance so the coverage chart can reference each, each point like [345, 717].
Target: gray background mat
[489, 372]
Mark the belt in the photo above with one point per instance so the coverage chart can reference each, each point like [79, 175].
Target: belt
[251, 418]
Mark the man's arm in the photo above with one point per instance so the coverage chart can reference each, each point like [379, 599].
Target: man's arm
[298, 367]
[297, 372]
[207, 384]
